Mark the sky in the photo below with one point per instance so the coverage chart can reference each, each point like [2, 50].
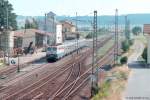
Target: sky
[82, 7]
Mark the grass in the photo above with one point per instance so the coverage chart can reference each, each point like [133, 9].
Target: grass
[141, 38]
[1, 64]
[112, 89]
[103, 50]
[104, 91]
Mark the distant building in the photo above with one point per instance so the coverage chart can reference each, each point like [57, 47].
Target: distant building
[68, 30]
[68, 26]
[146, 30]
[59, 39]
[48, 24]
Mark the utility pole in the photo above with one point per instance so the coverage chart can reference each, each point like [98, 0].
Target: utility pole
[7, 49]
[18, 69]
[7, 17]
[127, 28]
[77, 35]
[94, 84]
[7, 27]
[54, 30]
[116, 38]
[45, 28]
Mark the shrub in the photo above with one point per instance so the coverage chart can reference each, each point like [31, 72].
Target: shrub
[144, 54]
[136, 30]
[125, 46]
[123, 60]
[131, 42]
[89, 36]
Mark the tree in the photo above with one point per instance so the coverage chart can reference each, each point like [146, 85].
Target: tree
[31, 24]
[103, 31]
[7, 16]
[88, 36]
[144, 54]
[27, 24]
[123, 60]
[136, 30]
[125, 45]
[35, 23]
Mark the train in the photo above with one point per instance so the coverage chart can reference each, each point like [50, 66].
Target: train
[54, 53]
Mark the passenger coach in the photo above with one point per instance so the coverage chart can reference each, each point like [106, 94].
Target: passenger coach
[54, 53]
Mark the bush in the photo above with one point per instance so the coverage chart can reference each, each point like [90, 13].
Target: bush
[136, 30]
[123, 60]
[125, 46]
[89, 36]
[144, 54]
[131, 42]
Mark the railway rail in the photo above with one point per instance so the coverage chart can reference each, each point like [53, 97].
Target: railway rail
[83, 79]
[12, 69]
[31, 90]
[42, 82]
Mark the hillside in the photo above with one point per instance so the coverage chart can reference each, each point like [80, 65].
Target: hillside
[135, 19]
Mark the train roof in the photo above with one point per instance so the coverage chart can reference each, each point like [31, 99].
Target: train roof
[68, 42]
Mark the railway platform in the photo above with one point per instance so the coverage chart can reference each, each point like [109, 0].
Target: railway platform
[23, 59]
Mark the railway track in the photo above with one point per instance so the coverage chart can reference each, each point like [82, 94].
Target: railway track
[64, 64]
[23, 93]
[41, 83]
[12, 69]
[84, 80]
[66, 90]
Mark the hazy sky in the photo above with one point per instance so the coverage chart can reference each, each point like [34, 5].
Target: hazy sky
[83, 7]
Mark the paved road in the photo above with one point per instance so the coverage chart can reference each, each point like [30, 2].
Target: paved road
[138, 86]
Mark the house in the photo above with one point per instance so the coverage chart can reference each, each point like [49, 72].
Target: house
[146, 31]
[68, 30]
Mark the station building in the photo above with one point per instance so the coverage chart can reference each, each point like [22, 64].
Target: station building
[26, 36]
[11, 40]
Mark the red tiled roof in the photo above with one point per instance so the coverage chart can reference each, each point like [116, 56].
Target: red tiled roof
[20, 33]
[67, 22]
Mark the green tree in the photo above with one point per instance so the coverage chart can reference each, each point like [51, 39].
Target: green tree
[34, 24]
[31, 24]
[7, 16]
[123, 60]
[144, 54]
[27, 24]
[103, 31]
[136, 30]
[88, 36]
[125, 45]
